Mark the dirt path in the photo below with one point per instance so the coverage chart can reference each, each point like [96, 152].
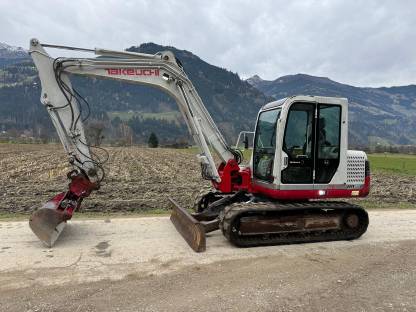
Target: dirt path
[142, 264]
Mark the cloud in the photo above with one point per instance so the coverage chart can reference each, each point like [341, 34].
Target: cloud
[366, 43]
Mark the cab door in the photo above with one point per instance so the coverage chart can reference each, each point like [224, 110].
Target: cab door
[328, 136]
[299, 144]
[312, 144]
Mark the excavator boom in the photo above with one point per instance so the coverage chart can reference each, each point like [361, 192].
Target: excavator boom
[62, 101]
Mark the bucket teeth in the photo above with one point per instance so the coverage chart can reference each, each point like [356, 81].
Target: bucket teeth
[47, 224]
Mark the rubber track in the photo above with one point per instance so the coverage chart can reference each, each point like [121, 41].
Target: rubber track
[229, 218]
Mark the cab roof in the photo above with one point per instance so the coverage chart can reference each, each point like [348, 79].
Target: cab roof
[306, 98]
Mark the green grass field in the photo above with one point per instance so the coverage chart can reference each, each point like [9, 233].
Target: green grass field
[393, 163]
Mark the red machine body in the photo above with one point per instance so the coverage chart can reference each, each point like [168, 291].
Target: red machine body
[235, 178]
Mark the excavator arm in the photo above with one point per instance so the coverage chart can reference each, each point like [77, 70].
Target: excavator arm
[161, 70]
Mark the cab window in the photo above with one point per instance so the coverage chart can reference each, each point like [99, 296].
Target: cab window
[265, 145]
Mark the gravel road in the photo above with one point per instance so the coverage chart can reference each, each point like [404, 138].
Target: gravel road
[142, 264]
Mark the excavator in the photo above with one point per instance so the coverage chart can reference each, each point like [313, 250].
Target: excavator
[289, 192]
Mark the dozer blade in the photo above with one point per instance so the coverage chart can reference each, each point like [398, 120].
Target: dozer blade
[47, 224]
[190, 229]
[193, 227]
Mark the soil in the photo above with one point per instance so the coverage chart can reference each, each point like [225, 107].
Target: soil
[393, 188]
[138, 179]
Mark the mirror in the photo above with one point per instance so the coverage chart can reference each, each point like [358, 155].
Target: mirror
[245, 141]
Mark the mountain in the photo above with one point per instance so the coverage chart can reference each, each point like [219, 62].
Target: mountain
[255, 81]
[376, 115]
[10, 54]
[133, 110]
[129, 113]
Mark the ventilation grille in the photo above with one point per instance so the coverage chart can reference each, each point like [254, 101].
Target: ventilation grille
[355, 168]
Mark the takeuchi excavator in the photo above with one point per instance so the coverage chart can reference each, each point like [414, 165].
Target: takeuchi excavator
[286, 194]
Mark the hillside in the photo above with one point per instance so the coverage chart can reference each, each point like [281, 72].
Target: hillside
[132, 110]
[128, 113]
[377, 115]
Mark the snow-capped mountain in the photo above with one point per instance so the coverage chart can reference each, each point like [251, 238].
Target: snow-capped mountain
[255, 80]
[11, 54]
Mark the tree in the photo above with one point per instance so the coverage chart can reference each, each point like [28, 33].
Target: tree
[126, 134]
[95, 131]
[153, 140]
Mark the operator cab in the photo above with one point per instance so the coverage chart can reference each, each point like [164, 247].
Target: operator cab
[300, 141]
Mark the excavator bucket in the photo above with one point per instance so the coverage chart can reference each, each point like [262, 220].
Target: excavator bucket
[192, 227]
[49, 221]
[47, 224]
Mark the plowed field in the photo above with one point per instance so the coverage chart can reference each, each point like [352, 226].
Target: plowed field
[139, 179]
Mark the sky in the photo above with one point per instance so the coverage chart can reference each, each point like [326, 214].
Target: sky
[363, 43]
